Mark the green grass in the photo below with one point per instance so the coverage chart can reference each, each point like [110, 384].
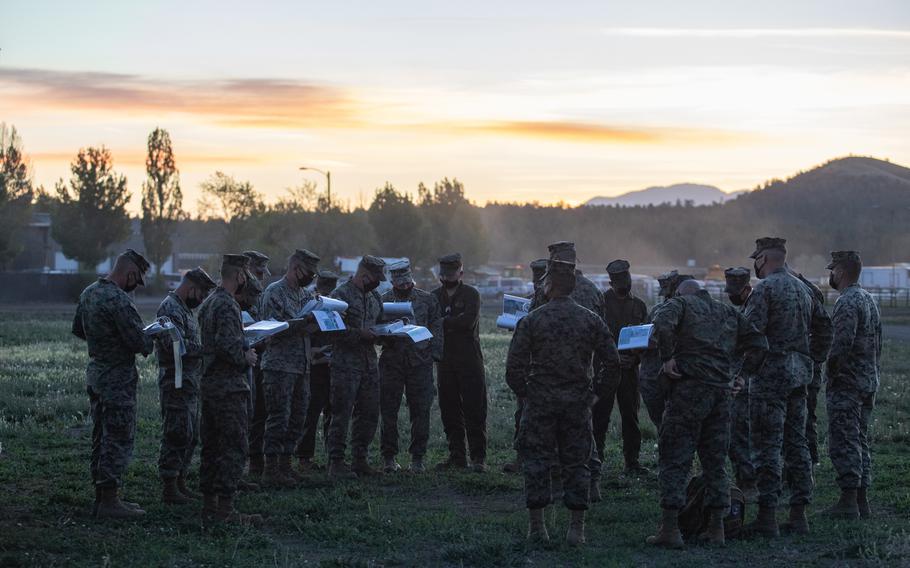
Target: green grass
[430, 520]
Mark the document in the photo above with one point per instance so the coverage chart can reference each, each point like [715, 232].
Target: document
[398, 309]
[164, 325]
[399, 328]
[260, 330]
[635, 337]
[327, 312]
[513, 309]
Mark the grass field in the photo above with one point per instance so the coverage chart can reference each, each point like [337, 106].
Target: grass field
[461, 519]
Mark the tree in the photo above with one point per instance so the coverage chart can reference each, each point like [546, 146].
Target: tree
[15, 194]
[454, 223]
[235, 203]
[162, 200]
[89, 215]
[397, 223]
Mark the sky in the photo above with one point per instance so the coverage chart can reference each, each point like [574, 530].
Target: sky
[520, 100]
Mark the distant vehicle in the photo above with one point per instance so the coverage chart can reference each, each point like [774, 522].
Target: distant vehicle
[498, 285]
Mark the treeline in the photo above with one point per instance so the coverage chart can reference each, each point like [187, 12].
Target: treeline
[857, 203]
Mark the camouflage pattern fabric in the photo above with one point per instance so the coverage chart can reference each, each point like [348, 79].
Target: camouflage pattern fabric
[286, 352]
[224, 365]
[650, 385]
[849, 417]
[740, 448]
[110, 325]
[781, 423]
[286, 396]
[320, 389]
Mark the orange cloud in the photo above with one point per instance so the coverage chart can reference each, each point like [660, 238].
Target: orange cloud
[239, 102]
[131, 158]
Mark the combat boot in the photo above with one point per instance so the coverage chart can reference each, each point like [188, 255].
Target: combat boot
[668, 535]
[454, 462]
[170, 494]
[537, 530]
[361, 467]
[257, 466]
[765, 524]
[227, 514]
[273, 476]
[847, 507]
[287, 470]
[862, 502]
[594, 495]
[340, 470]
[797, 523]
[479, 466]
[390, 465]
[186, 491]
[512, 467]
[417, 466]
[209, 507]
[576, 533]
[111, 507]
[714, 532]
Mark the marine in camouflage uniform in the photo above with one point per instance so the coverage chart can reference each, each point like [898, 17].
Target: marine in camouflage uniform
[406, 368]
[813, 389]
[355, 373]
[320, 381]
[799, 332]
[110, 325]
[622, 309]
[180, 406]
[853, 371]
[700, 341]
[285, 384]
[738, 289]
[226, 358]
[259, 268]
[549, 368]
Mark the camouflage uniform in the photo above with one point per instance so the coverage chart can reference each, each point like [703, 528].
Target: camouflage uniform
[355, 375]
[284, 365]
[259, 263]
[852, 380]
[179, 407]
[703, 336]
[406, 368]
[798, 331]
[740, 447]
[225, 394]
[109, 323]
[538, 269]
[815, 386]
[549, 367]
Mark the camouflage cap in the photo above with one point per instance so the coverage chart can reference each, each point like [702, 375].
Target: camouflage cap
[563, 252]
[618, 266]
[768, 243]
[374, 265]
[235, 260]
[258, 261]
[200, 278]
[253, 288]
[664, 281]
[400, 273]
[676, 280]
[141, 263]
[307, 258]
[450, 264]
[839, 256]
[737, 279]
[538, 268]
[327, 275]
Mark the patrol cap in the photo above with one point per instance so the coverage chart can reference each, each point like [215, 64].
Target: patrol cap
[374, 265]
[139, 261]
[450, 264]
[737, 279]
[327, 275]
[538, 267]
[676, 280]
[258, 261]
[253, 288]
[200, 278]
[309, 259]
[562, 252]
[840, 256]
[664, 281]
[235, 260]
[768, 243]
[618, 266]
[400, 273]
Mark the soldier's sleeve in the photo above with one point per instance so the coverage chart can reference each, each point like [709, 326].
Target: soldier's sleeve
[350, 335]
[77, 328]
[666, 320]
[821, 333]
[757, 309]
[434, 324]
[468, 319]
[228, 336]
[607, 377]
[129, 325]
[162, 341]
[518, 361]
[845, 322]
[751, 343]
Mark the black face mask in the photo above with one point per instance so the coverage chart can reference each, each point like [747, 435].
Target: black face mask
[194, 301]
[403, 292]
[623, 290]
[240, 287]
[304, 279]
[758, 268]
[737, 299]
[449, 284]
[131, 284]
[832, 281]
[371, 285]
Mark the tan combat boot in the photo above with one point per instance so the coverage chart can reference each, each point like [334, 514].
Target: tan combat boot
[576, 533]
[862, 502]
[765, 524]
[847, 507]
[797, 523]
[273, 476]
[170, 494]
[668, 535]
[186, 491]
[537, 530]
[714, 532]
[287, 470]
[226, 513]
[111, 507]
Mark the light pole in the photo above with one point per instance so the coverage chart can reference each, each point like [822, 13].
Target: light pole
[328, 181]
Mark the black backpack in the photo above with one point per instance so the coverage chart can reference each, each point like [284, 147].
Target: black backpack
[693, 518]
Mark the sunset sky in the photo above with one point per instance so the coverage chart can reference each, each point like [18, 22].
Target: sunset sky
[526, 101]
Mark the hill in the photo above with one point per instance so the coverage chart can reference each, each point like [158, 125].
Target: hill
[666, 195]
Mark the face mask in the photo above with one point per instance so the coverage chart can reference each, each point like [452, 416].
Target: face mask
[304, 279]
[737, 300]
[832, 281]
[758, 267]
[240, 287]
[194, 301]
[132, 282]
[622, 290]
[403, 291]
[450, 284]
[371, 285]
